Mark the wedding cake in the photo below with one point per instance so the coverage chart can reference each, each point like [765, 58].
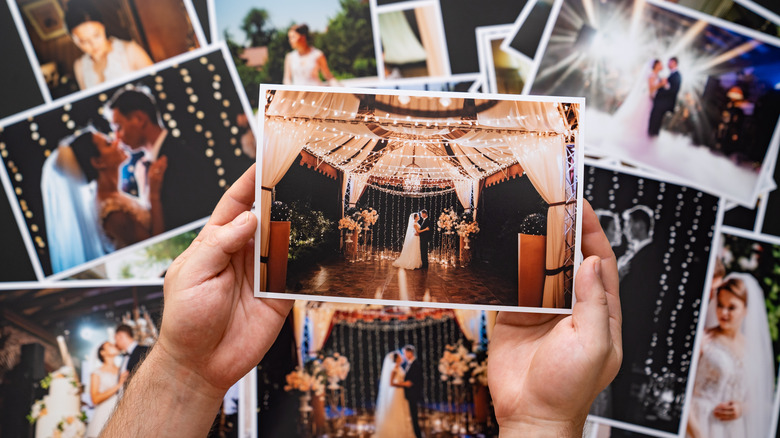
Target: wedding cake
[59, 415]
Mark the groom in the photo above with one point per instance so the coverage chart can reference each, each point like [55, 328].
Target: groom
[425, 237]
[413, 385]
[665, 99]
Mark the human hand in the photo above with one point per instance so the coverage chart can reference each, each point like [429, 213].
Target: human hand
[123, 378]
[156, 175]
[545, 370]
[728, 411]
[213, 327]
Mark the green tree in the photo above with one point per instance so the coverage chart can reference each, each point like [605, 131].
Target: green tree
[349, 42]
[255, 27]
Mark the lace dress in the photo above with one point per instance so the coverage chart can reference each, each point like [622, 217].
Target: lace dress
[396, 420]
[103, 410]
[304, 68]
[120, 202]
[720, 377]
[117, 63]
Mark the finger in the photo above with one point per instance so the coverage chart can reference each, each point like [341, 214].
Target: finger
[591, 309]
[237, 199]
[217, 245]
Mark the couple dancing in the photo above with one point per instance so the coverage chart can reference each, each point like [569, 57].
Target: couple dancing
[647, 104]
[400, 389]
[108, 380]
[414, 253]
[88, 215]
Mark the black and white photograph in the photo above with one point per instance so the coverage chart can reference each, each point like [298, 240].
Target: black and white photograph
[338, 370]
[79, 44]
[670, 89]
[735, 380]
[398, 197]
[115, 168]
[662, 235]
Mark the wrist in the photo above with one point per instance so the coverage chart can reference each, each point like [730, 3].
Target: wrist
[537, 427]
[182, 378]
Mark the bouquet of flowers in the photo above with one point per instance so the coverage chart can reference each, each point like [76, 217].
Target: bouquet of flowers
[347, 223]
[447, 219]
[336, 369]
[455, 363]
[479, 371]
[303, 381]
[369, 216]
[466, 228]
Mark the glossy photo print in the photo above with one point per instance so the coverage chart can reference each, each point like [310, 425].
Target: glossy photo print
[409, 197]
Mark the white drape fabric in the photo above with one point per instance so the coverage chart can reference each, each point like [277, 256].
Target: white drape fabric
[400, 44]
[320, 319]
[429, 25]
[283, 140]
[477, 192]
[469, 322]
[358, 183]
[463, 189]
[543, 159]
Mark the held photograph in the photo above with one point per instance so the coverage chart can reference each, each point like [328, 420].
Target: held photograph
[110, 170]
[403, 197]
[671, 89]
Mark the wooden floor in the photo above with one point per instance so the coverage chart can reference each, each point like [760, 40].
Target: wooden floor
[378, 279]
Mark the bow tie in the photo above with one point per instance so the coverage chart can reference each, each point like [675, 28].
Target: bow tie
[126, 354]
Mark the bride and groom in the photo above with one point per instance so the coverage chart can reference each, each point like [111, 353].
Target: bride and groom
[400, 390]
[414, 253]
[646, 105]
[86, 212]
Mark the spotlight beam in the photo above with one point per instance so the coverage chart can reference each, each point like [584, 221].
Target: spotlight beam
[731, 54]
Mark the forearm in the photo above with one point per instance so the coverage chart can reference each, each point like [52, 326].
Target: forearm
[100, 397]
[164, 399]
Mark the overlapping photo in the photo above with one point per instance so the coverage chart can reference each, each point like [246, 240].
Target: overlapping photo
[80, 44]
[332, 369]
[673, 90]
[662, 234]
[111, 170]
[504, 72]
[398, 197]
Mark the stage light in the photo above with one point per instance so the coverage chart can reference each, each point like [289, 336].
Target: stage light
[86, 333]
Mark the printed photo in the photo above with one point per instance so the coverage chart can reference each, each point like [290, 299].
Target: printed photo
[734, 386]
[744, 13]
[505, 72]
[411, 42]
[662, 235]
[332, 369]
[110, 170]
[80, 44]
[310, 42]
[670, 91]
[529, 29]
[409, 197]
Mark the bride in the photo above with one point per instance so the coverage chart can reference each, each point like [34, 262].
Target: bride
[393, 418]
[732, 393]
[410, 257]
[633, 116]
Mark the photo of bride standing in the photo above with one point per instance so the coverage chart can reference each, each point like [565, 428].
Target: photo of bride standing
[409, 197]
[734, 388]
[399, 393]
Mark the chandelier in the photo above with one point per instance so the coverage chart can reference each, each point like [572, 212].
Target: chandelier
[412, 176]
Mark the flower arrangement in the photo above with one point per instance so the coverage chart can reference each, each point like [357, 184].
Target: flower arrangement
[347, 223]
[447, 219]
[455, 363]
[71, 427]
[369, 216]
[303, 381]
[336, 369]
[466, 228]
[479, 372]
[38, 410]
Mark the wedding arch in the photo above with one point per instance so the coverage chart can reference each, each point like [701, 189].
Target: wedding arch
[415, 145]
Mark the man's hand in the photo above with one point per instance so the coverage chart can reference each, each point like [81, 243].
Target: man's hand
[546, 370]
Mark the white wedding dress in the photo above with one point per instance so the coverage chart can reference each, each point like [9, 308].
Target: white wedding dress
[723, 375]
[633, 117]
[392, 419]
[410, 257]
[103, 410]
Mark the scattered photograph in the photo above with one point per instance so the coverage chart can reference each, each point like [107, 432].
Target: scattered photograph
[331, 369]
[391, 197]
[735, 12]
[313, 42]
[411, 42]
[112, 169]
[529, 28]
[662, 234]
[79, 44]
[26, 92]
[669, 90]
[505, 72]
[455, 83]
[734, 386]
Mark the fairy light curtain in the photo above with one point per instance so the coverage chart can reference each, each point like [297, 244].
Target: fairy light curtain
[282, 142]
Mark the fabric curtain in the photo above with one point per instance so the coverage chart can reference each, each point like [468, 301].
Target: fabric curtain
[358, 183]
[283, 140]
[400, 44]
[321, 318]
[299, 320]
[469, 323]
[477, 191]
[543, 159]
[463, 189]
[428, 22]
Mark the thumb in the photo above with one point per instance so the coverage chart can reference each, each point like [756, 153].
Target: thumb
[217, 244]
[591, 311]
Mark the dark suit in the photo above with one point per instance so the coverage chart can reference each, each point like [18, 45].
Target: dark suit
[190, 188]
[664, 101]
[414, 393]
[425, 239]
[136, 357]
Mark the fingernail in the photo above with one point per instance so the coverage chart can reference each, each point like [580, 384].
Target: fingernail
[241, 219]
[597, 267]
